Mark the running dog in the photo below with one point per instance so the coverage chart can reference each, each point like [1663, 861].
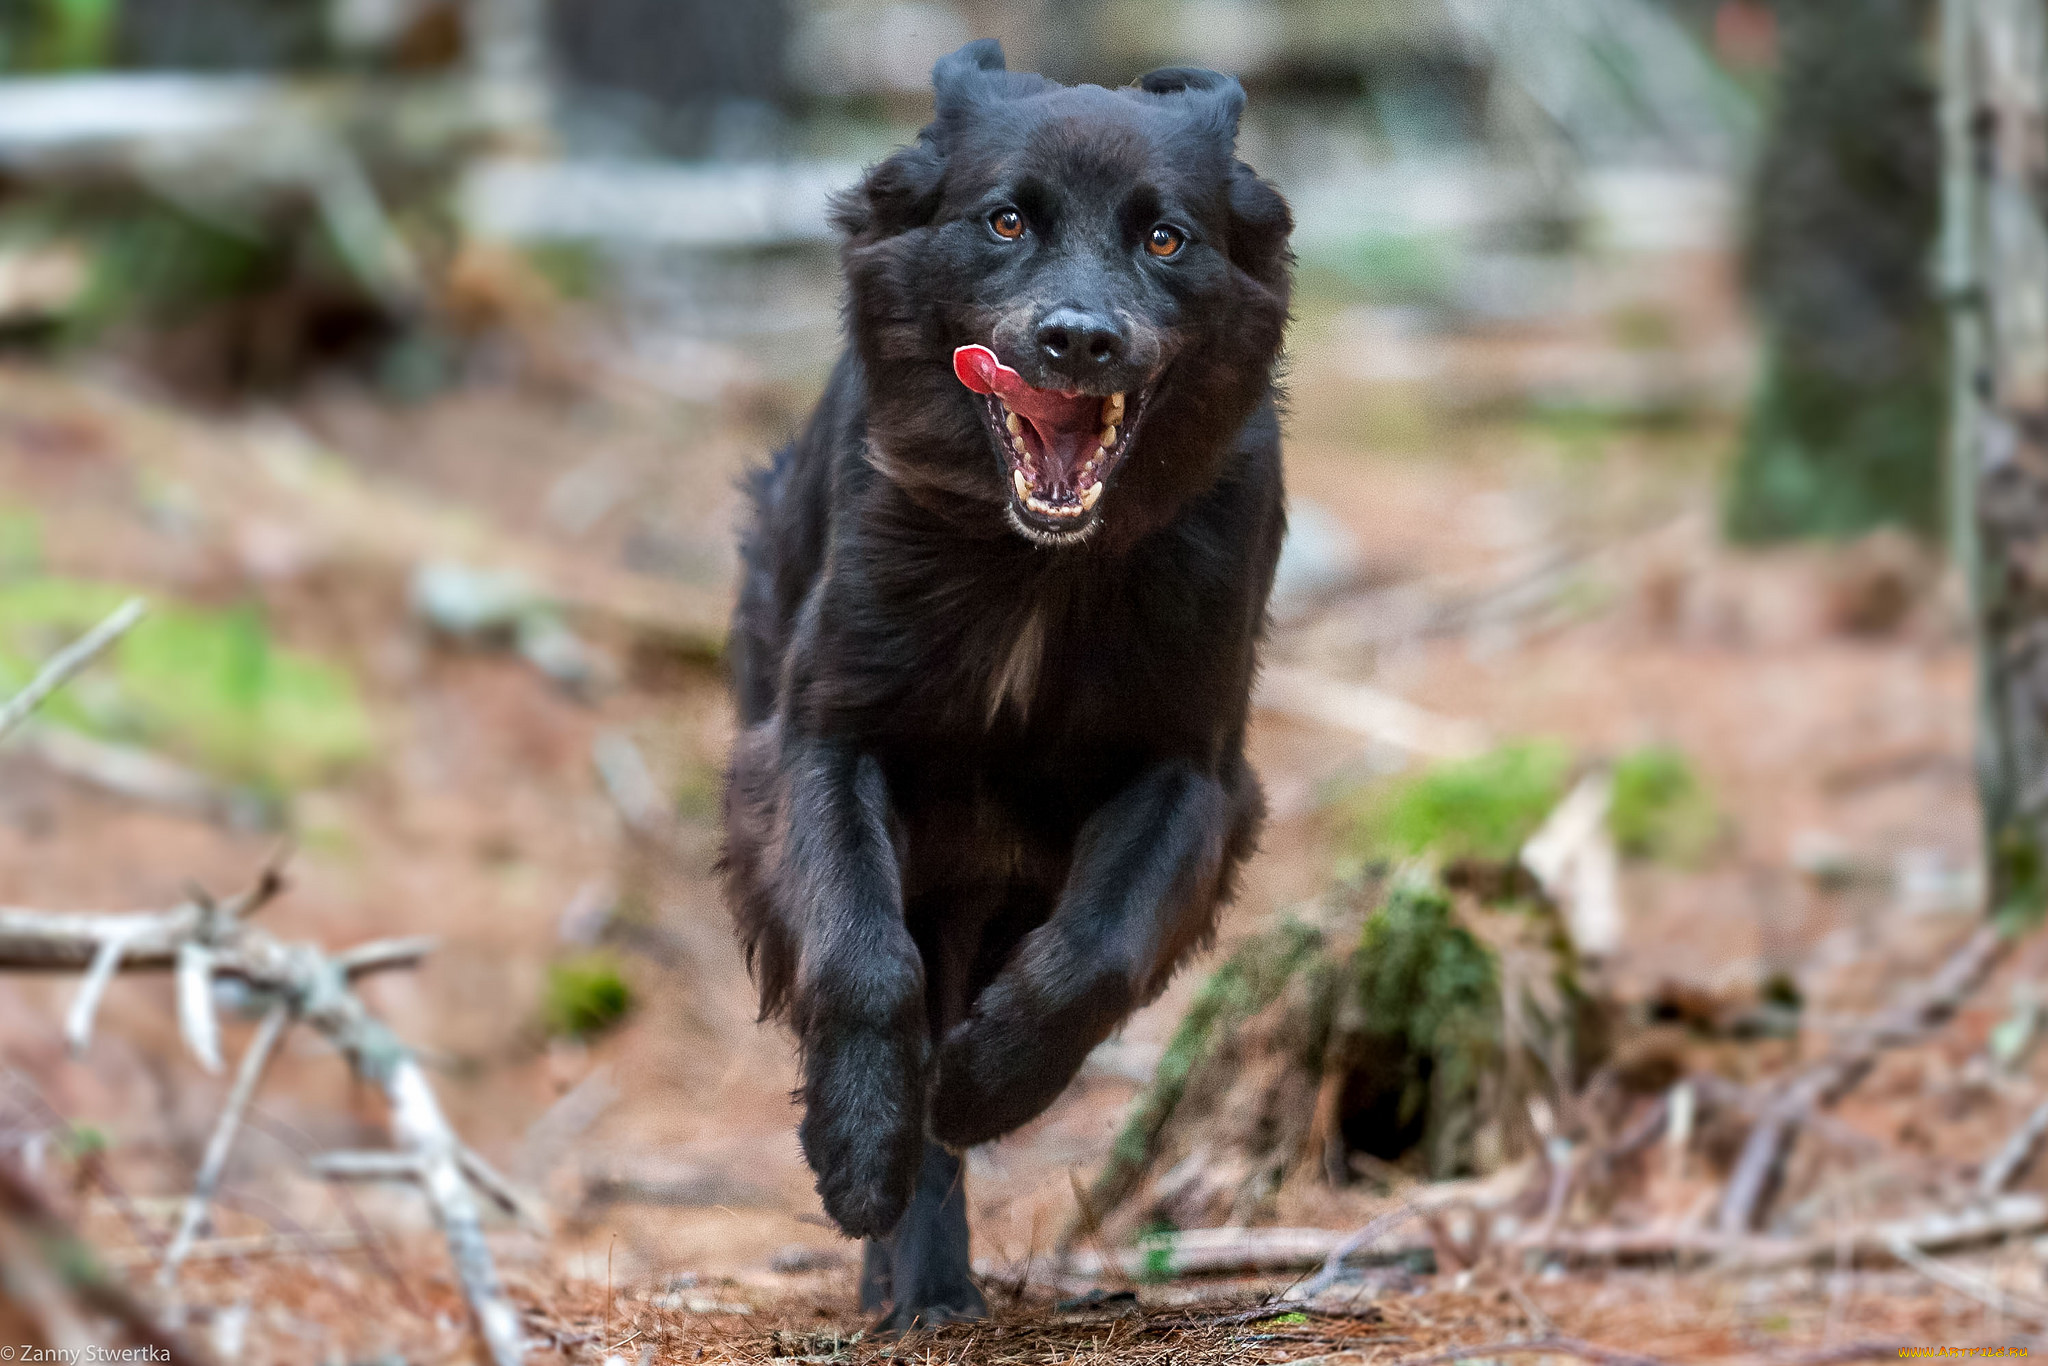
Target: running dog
[1001, 608]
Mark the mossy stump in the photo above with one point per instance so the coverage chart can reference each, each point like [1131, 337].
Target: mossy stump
[1406, 1020]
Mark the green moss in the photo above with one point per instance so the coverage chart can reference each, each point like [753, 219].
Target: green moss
[1430, 993]
[1659, 810]
[1243, 986]
[586, 995]
[1481, 808]
[208, 686]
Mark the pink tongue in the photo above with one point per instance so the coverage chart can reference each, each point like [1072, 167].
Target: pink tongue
[1066, 423]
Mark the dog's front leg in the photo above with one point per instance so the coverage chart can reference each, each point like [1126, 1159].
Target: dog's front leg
[858, 997]
[1142, 891]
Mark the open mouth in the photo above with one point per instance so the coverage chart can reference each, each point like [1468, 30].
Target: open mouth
[1059, 447]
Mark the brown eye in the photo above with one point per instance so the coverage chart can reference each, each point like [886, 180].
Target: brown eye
[1164, 241]
[1007, 224]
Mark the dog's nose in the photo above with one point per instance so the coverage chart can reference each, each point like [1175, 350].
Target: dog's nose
[1078, 342]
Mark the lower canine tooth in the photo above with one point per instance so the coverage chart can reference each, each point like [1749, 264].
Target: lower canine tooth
[1023, 484]
[1090, 494]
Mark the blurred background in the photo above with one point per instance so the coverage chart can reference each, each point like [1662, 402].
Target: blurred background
[405, 354]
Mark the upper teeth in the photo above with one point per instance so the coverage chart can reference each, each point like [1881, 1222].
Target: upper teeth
[1015, 424]
[1112, 410]
[1107, 437]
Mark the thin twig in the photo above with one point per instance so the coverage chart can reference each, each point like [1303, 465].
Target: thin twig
[78, 1021]
[243, 1247]
[1763, 1152]
[501, 1191]
[197, 1022]
[1963, 1283]
[254, 1059]
[365, 1166]
[381, 954]
[2010, 1161]
[69, 661]
[1332, 1268]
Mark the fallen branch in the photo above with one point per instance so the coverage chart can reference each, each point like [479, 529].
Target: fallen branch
[1756, 1170]
[1226, 1251]
[203, 938]
[2011, 1216]
[68, 661]
[303, 985]
[1366, 711]
[1213, 1252]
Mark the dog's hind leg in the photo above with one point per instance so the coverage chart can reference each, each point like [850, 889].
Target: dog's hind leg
[924, 1263]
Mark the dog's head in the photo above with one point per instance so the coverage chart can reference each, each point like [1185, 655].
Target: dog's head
[1125, 274]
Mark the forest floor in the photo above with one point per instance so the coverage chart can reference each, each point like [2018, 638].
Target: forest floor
[1554, 575]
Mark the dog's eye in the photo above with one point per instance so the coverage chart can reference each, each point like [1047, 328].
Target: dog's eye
[1164, 241]
[1007, 224]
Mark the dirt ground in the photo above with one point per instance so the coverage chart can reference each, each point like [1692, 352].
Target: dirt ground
[1551, 575]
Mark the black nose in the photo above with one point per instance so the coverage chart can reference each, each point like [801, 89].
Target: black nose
[1078, 342]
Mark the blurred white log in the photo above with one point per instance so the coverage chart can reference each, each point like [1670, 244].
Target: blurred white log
[1366, 711]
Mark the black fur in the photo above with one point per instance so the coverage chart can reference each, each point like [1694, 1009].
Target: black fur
[990, 791]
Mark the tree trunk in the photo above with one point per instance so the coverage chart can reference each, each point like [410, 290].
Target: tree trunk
[1996, 268]
[1844, 433]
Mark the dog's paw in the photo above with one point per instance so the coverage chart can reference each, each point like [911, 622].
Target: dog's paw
[976, 1097]
[963, 1305]
[863, 1205]
[863, 1131]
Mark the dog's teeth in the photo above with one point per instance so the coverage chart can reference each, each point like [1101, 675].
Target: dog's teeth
[1113, 409]
[1089, 496]
[1107, 438]
[1023, 484]
[1015, 424]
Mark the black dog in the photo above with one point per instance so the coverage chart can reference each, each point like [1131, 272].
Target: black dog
[996, 636]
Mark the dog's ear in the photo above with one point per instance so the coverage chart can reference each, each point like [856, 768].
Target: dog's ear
[1260, 223]
[1221, 94]
[896, 195]
[959, 78]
